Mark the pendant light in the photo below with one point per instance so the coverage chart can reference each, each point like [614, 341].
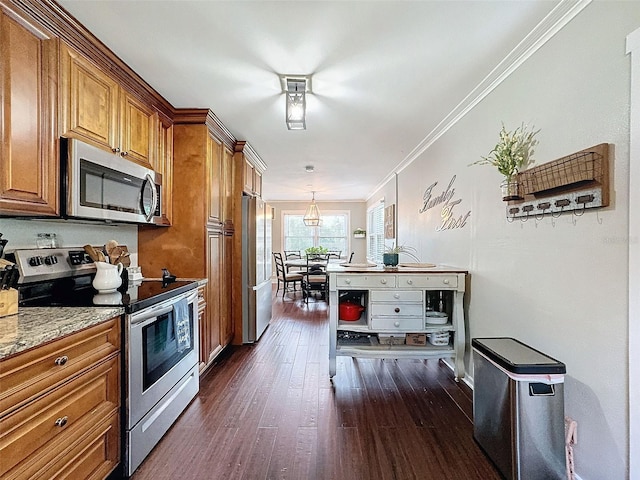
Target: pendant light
[312, 215]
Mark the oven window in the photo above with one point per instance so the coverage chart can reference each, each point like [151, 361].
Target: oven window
[164, 346]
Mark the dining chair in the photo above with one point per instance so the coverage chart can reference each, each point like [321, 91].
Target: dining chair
[293, 255]
[285, 278]
[335, 254]
[315, 279]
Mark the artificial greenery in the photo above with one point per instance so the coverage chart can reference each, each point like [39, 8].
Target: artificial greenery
[397, 249]
[513, 153]
[316, 250]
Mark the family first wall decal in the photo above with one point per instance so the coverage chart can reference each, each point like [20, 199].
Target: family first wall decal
[449, 218]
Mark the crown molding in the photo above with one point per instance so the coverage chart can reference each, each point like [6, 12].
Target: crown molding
[560, 16]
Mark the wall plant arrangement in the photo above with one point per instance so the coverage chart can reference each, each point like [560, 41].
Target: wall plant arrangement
[512, 154]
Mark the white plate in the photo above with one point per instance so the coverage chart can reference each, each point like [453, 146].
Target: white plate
[358, 265]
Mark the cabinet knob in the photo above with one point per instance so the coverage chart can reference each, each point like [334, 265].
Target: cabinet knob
[410, 282]
[115, 150]
[397, 324]
[383, 281]
[396, 295]
[62, 421]
[61, 360]
[124, 154]
[347, 281]
[446, 281]
[397, 310]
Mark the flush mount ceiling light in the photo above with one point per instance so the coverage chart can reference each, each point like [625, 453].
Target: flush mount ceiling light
[309, 169]
[312, 215]
[295, 88]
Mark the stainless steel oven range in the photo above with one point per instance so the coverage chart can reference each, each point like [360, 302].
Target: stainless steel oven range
[159, 339]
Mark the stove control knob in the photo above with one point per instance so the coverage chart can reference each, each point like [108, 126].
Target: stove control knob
[50, 260]
[35, 261]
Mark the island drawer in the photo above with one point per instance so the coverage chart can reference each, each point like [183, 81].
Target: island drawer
[398, 309]
[398, 323]
[366, 281]
[396, 295]
[428, 281]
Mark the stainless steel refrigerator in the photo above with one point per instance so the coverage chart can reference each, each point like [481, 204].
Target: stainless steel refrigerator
[256, 268]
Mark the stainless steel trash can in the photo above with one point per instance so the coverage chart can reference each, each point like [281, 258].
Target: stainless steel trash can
[518, 409]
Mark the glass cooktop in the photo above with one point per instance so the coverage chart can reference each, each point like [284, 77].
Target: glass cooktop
[79, 293]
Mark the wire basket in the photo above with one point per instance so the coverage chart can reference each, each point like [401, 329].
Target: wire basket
[578, 168]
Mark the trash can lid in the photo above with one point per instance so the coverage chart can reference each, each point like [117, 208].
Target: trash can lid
[516, 357]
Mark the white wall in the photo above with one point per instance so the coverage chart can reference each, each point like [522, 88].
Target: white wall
[558, 285]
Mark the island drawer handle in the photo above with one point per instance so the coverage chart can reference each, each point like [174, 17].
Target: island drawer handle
[61, 360]
[62, 421]
[397, 310]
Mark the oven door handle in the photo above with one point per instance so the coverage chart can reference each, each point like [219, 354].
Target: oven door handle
[157, 310]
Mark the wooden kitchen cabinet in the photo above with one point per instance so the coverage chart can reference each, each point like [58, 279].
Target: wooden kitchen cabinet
[164, 166]
[29, 170]
[252, 169]
[96, 109]
[60, 407]
[198, 243]
[214, 197]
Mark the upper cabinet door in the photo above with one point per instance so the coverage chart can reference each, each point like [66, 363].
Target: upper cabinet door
[88, 101]
[29, 165]
[94, 108]
[214, 163]
[138, 125]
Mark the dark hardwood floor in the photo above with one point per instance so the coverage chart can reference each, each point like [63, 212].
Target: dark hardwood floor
[270, 411]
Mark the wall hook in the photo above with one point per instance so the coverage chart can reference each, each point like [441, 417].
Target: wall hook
[553, 220]
[598, 217]
[575, 212]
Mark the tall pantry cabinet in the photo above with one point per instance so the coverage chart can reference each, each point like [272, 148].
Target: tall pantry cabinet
[197, 244]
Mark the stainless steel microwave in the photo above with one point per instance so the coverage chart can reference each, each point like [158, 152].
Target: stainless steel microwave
[100, 185]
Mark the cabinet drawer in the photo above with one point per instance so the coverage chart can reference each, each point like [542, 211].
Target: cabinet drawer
[397, 309]
[404, 324]
[27, 375]
[396, 295]
[52, 422]
[428, 281]
[376, 281]
[93, 456]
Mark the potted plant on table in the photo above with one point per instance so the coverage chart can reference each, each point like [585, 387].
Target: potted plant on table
[391, 254]
[319, 250]
[513, 153]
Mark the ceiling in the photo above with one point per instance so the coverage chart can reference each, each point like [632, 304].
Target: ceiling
[384, 74]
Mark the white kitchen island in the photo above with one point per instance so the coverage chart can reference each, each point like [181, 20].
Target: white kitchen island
[395, 304]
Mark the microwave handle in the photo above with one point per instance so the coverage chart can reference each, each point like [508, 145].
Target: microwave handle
[154, 200]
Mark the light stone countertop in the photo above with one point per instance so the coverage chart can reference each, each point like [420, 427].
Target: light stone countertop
[34, 326]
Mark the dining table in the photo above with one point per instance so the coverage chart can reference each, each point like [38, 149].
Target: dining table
[301, 263]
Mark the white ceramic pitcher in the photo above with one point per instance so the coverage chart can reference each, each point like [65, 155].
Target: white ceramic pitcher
[107, 277]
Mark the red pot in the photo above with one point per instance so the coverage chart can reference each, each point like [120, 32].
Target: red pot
[350, 311]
